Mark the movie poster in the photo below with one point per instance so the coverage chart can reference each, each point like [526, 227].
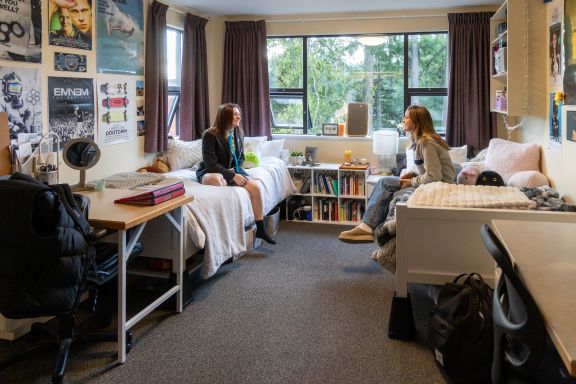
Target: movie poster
[120, 26]
[555, 124]
[569, 52]
[116, 110]
[71, 107]
[22, 100]
[21, 30]
[555, 43]
[70, 23]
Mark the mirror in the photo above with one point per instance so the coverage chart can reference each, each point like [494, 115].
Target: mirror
[81, 154]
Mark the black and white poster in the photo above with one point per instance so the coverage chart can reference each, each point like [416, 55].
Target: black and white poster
[71, 107]
[22, 100]
[21, 30]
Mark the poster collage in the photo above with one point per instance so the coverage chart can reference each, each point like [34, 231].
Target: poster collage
[118, 115]
[561, 23]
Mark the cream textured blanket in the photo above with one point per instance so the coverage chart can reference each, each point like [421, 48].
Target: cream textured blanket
[441, 194]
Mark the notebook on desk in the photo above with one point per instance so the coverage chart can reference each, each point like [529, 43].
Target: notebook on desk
[154, 194]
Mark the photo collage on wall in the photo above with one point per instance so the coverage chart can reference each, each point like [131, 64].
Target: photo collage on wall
[140, 129]
[21, 30]
[115, 110]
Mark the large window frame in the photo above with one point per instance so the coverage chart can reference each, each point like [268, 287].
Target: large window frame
[301, 93]
[174, 85]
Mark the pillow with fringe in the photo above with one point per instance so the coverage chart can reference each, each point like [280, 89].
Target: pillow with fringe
[183, 154]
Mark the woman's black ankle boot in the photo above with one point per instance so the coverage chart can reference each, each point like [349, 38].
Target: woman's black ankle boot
[261, 232]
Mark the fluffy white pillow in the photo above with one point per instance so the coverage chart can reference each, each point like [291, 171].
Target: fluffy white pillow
[273, 148]
[507, 157]
[183, 154]
[459, 154]
[529, 179]
[254, 144]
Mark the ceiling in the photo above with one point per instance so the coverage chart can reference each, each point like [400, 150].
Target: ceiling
[292, 7]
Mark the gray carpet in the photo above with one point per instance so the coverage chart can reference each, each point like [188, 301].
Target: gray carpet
[308, 310]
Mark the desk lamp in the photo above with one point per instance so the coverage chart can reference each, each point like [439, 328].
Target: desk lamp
[385, 145]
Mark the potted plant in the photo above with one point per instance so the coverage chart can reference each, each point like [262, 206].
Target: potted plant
[296, 158]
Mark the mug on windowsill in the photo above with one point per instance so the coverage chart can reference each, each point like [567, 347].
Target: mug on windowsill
[303, 213]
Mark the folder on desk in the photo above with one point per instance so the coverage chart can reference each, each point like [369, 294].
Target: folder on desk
[154, 194]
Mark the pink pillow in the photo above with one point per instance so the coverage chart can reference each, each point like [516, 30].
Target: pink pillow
[507, 157]
[530, 179]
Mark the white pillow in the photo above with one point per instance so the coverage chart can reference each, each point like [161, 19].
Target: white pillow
[273, 148]
[254, 144]
[410, 166]
[529, 179]
[506, 157]
[183, 154]
[459, 154]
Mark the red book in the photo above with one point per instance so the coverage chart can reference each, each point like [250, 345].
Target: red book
[150, 199]
[150, 191]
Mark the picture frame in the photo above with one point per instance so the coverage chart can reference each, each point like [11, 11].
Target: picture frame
[569, 121]
[311, 155]
[330, 129]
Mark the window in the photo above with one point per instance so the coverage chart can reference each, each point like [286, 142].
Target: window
[312, 79]
[174, 45]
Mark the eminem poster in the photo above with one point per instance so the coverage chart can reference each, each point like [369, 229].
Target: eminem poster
[22, 100]
[71, 107]
[21, 30]
[120, 25]
[70, 23]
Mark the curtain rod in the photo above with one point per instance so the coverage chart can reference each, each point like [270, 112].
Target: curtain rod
[356, 18]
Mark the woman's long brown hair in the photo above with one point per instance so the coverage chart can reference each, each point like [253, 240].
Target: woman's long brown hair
[224, 121]
[424, 125]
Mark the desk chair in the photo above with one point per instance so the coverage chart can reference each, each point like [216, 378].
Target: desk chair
[49, 278]
[519, 333]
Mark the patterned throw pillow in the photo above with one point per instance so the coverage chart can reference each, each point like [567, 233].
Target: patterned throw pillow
[183, 154]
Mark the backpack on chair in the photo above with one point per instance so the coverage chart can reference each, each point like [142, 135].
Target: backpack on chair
[461, 330]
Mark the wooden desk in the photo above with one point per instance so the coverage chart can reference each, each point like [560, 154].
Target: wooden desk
[543, 253]
[105, 213]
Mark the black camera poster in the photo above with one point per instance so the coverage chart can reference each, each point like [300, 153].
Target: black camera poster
[69, 62]
[21, 30]
[71, 107]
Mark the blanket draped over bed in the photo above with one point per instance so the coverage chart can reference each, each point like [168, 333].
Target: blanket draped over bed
[462, 196]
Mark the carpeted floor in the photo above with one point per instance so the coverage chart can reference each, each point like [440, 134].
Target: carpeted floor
[309, 310]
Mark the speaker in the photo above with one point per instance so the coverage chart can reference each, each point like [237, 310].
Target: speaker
[357, 120]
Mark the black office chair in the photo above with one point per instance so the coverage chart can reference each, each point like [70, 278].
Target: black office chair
[519, 333]
[49, 260]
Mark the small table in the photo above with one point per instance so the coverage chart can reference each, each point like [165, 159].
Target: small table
[104, 213]
[543, 253]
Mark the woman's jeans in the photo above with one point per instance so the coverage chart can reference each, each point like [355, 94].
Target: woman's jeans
[377, 207]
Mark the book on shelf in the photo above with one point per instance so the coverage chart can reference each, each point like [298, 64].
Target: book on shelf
[152, 197]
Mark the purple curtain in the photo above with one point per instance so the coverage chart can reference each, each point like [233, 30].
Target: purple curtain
[156, 101]
[469, 118]
[246, 74]
[194, 111]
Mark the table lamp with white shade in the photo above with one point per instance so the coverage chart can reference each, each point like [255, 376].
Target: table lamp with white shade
[385, 145]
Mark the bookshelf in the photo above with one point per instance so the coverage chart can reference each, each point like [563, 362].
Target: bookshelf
[337, 196]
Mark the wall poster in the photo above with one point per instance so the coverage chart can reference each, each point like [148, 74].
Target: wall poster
[120, 26]
[71, 107]
[570, 122]
[70, 23]
[21, 30]
[555, 124]
[69, 62]
[22, 100]
[116, 109]
[554, 23]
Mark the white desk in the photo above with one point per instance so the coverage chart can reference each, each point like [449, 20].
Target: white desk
[543, 253]
[105, 213]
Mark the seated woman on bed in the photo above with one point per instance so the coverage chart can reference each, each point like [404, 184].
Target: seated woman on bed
[433, 163]
[223, 155]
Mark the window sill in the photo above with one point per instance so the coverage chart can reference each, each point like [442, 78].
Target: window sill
[322, 138]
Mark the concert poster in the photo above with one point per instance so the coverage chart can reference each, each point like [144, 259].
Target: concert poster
[71, 107]
[21, 30]
[120, 26]
[71, 25]
[22, 100]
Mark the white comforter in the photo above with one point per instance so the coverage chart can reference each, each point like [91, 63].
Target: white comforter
[217, 216]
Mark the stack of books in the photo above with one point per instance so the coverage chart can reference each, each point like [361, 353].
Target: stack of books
[154, 194]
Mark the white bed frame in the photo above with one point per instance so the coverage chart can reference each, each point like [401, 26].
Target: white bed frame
[436, 244]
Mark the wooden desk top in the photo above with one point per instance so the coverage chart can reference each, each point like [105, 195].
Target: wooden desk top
[544, 256]
[107, 214]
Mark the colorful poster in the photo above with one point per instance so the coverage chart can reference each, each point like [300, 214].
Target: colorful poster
[554, 23]
[22, 100]
[120, 26]
[140, 129]
[69, 62]
[71, 107]
[555, 124]
[21, 30]
[116, 108]
[570, 52]
[70, 23]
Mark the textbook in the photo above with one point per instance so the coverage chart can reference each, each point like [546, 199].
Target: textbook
[149, 199]
[151, 192]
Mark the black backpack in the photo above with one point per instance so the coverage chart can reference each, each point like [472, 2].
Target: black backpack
[461, 330]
